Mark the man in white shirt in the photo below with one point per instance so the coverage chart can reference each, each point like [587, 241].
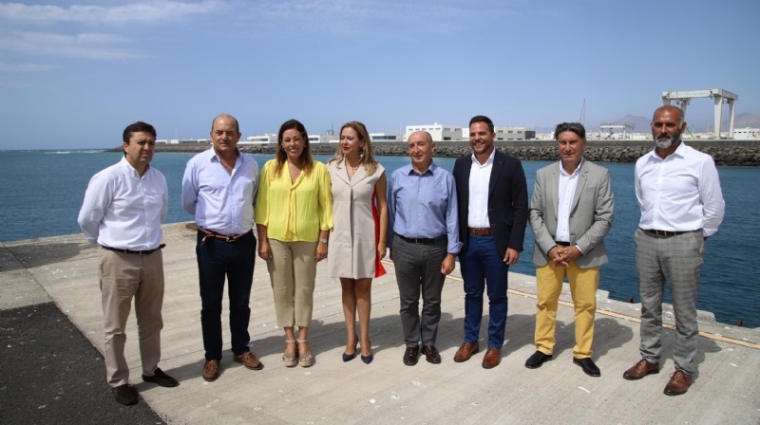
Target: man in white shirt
[122, 211]
[570, 214]
[681, 203]
[219, 189]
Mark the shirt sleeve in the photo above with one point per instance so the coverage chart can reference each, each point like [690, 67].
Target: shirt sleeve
[711, 195]
[261, 213]
[190, 188]
[391, 200]
[97, 199]
[165, 200]
[452, 218]
[325, 207]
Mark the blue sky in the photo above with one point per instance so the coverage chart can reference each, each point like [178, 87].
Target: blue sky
[74, 74]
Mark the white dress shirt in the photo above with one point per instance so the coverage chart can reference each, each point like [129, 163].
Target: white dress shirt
[221, 202]
[480, 176]
[567, 185]
[123, 210]
[679, 193]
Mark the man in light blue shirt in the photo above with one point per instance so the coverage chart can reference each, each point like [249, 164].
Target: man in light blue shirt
[219, 189]
[424, 241]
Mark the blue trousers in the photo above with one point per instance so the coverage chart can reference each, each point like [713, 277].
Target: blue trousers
[484, 268]
[218, 259]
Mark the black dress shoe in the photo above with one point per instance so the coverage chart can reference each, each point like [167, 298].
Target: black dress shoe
[537, 359]
[588, 366]
[160, 378]
[411, 355]
[431, 354]
[125, 394]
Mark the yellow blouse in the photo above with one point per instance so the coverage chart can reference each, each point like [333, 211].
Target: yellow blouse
[294, 211]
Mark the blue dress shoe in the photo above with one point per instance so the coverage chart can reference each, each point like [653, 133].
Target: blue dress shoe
[588, 367]
[349, 357]
[368, 359]
[537, 359]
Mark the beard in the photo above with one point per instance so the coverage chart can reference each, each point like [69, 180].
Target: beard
[666, 142]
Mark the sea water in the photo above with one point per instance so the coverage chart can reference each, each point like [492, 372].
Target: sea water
[41, 193]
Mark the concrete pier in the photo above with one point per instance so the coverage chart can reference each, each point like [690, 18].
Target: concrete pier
[64, 269]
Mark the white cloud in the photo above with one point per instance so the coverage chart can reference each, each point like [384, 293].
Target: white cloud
[25, 67]
[375, 16]
[146, 11]
[82, 46]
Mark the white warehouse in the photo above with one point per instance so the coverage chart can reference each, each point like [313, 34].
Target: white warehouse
[439, 132]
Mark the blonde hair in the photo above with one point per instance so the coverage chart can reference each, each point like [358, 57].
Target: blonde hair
[366, 154]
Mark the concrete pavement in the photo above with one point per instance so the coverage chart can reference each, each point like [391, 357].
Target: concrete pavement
[64, 269]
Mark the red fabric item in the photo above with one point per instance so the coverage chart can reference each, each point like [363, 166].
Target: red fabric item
[379, 269]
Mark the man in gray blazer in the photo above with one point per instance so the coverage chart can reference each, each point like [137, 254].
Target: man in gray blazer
[570, 214]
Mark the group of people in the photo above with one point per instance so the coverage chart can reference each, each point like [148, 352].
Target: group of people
[424, 216]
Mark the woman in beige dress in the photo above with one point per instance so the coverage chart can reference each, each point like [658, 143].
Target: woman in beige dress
[359, 207]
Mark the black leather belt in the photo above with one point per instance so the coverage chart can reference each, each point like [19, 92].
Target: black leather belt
[562, 243]
[662, 233]
[423, 241]
[127, 251]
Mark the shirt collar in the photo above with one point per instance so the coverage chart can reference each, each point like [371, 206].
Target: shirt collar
[431, 169]
[577, 169]
[488, 162]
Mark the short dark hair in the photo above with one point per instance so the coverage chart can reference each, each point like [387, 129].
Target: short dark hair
[138, 127]
[574, 127]
[482, 118]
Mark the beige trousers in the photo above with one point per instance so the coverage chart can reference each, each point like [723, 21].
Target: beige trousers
[124, 277]
[292, 271]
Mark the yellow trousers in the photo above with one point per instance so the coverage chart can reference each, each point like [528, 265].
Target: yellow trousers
[583, 286]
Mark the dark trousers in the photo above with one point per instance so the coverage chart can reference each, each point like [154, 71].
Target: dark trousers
[235, 260]
[484, 268]
[418, 271]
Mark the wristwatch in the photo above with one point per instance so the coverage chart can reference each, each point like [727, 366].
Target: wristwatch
[324, 241]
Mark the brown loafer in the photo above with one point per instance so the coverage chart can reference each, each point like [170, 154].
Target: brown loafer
[679, 383]
[249, 360]
[492, 358]
[210, 370]
[640, 370]
[466, 351]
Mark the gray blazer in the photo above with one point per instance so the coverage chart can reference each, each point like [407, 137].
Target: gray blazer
[590, 214]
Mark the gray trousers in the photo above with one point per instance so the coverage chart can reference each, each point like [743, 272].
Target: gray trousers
[418, 271]
[678, 261]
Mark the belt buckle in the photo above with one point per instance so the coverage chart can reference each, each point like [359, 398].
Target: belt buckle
[230, 238]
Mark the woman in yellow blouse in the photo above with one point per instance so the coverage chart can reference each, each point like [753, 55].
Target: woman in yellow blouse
[293, 218]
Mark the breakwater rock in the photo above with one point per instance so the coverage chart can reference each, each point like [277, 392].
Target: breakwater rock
[739, 153]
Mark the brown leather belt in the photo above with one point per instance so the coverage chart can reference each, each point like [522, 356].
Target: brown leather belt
[479, 232]
[128, 251]
[227, 238]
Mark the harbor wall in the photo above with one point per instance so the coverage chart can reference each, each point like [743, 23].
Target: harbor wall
[737, 153]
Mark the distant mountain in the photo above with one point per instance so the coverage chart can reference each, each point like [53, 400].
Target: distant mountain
[742, 120]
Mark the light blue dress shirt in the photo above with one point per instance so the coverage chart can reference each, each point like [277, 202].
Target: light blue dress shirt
[423, 205]
[221, 202]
